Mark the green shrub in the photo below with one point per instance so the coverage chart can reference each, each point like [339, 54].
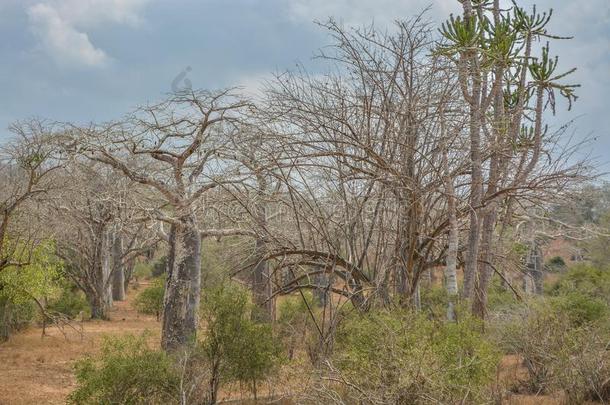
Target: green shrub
[235, 347]
[293, 319]
[126, 371]
[535, 334]
[434, 301]
[585, 279]
[402, 358]
[556, 264]
[580, 308]
[142, 271]
[159, 267]
[501, 298]
[15, 316]
[558, 353]
[70, 301]
[150, 300]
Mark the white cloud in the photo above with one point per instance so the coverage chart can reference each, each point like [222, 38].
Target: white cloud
[61, 26]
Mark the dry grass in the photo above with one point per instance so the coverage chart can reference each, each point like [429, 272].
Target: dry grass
[35, 370]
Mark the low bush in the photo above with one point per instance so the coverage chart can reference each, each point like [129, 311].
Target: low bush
[563, 347]
[401, 358]
[150, 300]
[126, 371]
[500, 297]
[15, 316]
[70, 301]
[142, 271]
[556, 264]
[580, 308]
[582, 368]
[585, 279]
[293, 319]
[434, 301]
[159, 267]
[536, 334]
[235, 347]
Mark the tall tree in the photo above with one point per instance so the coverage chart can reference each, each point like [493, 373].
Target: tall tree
[173, 149]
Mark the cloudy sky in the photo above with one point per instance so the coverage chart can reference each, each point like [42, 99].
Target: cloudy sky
[88, 60]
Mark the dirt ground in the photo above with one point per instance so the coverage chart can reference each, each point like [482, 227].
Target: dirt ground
[36, 370]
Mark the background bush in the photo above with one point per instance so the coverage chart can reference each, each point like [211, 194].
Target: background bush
[71, 301]
[293, 319]
[150, 300]
[556, 264]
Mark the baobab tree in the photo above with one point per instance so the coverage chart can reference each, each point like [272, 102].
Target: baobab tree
[174, 150]
[85, 217]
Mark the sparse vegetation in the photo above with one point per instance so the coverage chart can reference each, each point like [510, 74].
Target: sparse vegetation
[388, 226]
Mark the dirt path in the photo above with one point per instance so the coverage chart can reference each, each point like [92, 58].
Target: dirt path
[35, 370]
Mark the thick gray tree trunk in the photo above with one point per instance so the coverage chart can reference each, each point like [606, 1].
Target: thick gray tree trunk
[128, 273]
[118, 277]
[98, 292]
[261, 276]
[476, 184]
[183, 286]
[107, 271]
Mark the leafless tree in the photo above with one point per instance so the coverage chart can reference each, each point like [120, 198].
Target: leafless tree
[175, 150]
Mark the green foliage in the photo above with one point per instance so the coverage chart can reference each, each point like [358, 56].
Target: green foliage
[556, 264]
[582, 367]
[293, 309]
[150, 300]
[36, 279]
[236, 348]
[70, 301]
[20, 285]
[159, 267]
[126, 371]
[142, 271]
[597, 247]
[400, 357]
[584, 279]
[580, 308]
[462, 34]
[500, 298]
[434, 301]
[217, 260]
[561, 338]
[536, 334]
[520, 249]
[15, 316]
[293, 318]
